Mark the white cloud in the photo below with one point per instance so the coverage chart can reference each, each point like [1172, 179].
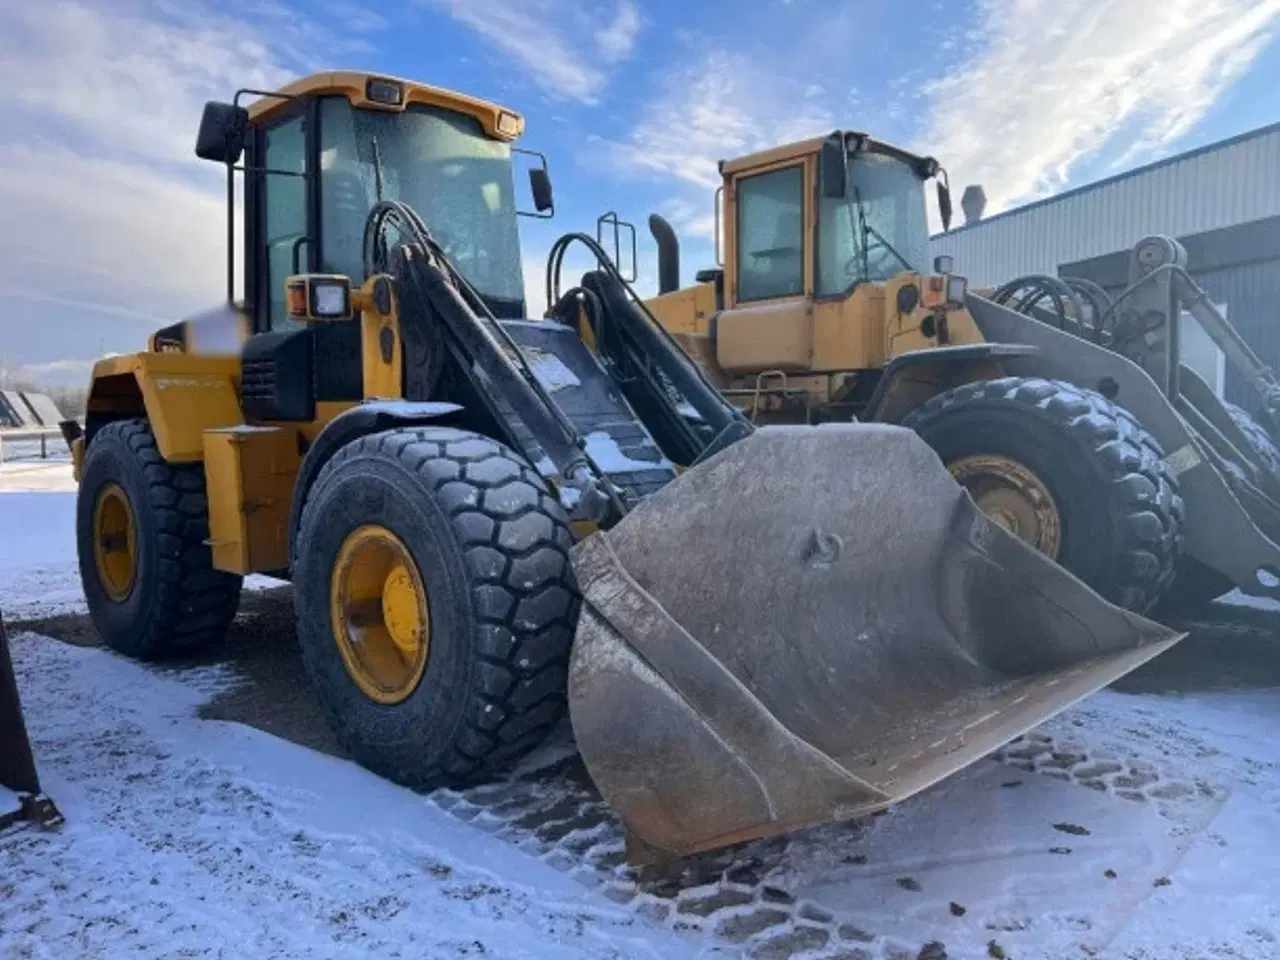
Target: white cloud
[723, 106]
[617, 40]
[356, 18]
[691, 219]
[548, 39]
[1054, 81]
[109, 225]
[130, 240]
[129, 80]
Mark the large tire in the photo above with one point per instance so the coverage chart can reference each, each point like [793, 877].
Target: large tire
[1198, 584]
[1118, 506]
[1263, 446]
[491, 548]
[176, 602]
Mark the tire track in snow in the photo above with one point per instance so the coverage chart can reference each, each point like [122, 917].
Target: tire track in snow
[738, 900]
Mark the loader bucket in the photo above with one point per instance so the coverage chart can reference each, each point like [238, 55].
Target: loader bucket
[812, 625]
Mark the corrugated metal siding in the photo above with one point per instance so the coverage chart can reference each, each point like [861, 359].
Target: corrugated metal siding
[1232, 183]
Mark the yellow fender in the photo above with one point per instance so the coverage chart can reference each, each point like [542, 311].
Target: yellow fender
[181, 394]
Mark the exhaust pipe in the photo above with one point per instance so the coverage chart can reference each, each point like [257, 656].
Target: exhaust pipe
[668, 253]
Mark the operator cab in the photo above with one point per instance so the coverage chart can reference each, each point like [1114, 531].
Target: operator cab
[318, 155]
[869, 223]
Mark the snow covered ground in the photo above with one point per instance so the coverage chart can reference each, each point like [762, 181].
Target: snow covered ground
[210, 814]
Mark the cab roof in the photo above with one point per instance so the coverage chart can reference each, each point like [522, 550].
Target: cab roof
[804, 148]
[497, 121]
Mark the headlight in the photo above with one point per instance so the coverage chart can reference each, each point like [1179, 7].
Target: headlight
[384, 91]
[329, 299]
[509, 124]
[957, 288]
[318, 297]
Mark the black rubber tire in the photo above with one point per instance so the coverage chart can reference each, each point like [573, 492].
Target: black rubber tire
[1196, 583]
[1258, 438]
[179, 603]
[1121, 511]
[492, 546]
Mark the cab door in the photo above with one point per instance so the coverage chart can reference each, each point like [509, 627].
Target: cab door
[767, 323]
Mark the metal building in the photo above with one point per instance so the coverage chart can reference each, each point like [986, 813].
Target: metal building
[1221, 201]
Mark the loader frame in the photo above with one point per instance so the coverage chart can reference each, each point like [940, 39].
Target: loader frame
[1127, 349]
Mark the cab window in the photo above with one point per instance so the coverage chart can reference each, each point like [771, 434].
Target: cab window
[284, 211]
[770, 234]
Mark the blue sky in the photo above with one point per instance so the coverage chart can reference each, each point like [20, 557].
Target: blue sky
[112, 228]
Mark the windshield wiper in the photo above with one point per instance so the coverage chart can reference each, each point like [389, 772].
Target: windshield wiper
[377, 169]
[870, 231]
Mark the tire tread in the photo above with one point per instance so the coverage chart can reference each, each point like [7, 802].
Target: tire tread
[1143, 493]
[520, 655]
[194, 603]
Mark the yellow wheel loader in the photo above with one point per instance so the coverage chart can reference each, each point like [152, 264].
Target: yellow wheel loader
[489, 519]
[1068, 418]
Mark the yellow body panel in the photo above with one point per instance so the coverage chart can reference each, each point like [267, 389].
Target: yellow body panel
[688, 310]
[849, 333]
[773, 156]
[380, 346]
[250, 473]
[774, 335]
[182, 395]
[77, 457]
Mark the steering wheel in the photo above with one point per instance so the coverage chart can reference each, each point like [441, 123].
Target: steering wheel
[875, 260]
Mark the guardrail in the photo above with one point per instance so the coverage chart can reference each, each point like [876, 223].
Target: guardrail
[43, 434]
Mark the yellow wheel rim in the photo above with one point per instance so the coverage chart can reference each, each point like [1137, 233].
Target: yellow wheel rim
[115, 544]
[380, 614]
[1014, 497]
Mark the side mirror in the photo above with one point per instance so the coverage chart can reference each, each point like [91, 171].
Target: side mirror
[223, 128]
[540, 183]
[833, 167]
[944, 205]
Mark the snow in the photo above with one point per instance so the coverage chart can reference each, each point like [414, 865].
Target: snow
[550, 370]
[185, 834]
[1238, 599]
[38, 574]
[1142, 824]
[608, 456]
[9, 801]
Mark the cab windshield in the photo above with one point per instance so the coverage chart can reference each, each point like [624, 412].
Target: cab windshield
[441, 164]
[878, 230]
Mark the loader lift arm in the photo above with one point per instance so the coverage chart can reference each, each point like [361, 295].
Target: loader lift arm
[1130, 346]
[652, 370]
[479, 343]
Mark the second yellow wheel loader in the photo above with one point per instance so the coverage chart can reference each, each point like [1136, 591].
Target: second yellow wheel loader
[1069, 418]
[488, 519]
